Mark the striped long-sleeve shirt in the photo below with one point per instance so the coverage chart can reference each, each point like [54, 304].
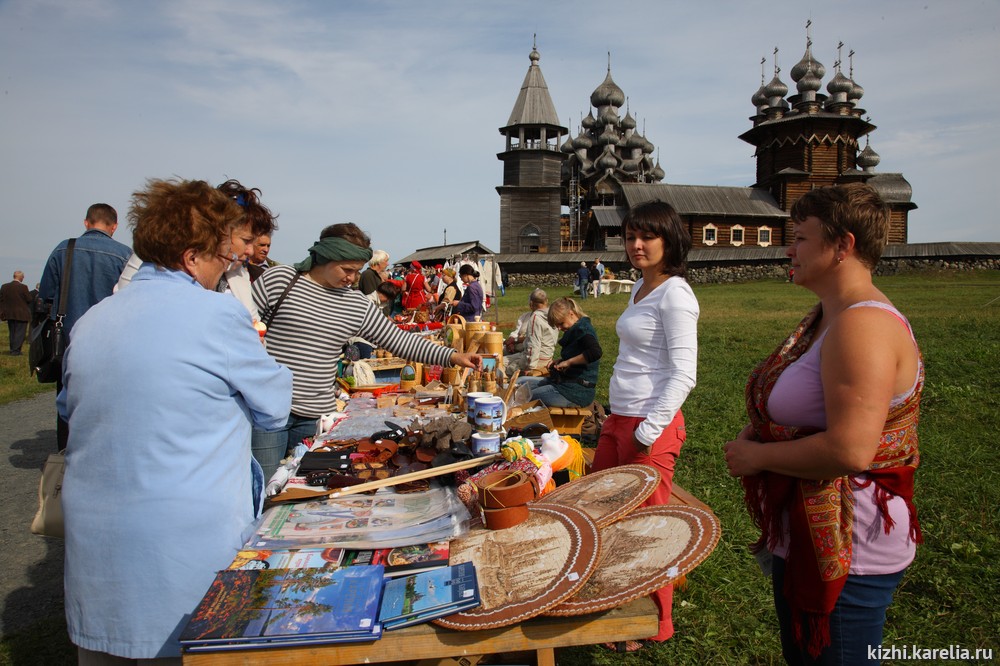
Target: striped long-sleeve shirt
[311, 327]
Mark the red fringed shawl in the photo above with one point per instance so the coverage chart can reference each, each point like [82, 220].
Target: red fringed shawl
[821, 513]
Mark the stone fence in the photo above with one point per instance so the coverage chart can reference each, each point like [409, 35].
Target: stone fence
[725, 269]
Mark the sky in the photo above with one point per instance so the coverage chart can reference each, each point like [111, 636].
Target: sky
[386, 113]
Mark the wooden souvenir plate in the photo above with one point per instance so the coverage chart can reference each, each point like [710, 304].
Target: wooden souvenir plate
[644, 551]
[526, 569]
[608, 495]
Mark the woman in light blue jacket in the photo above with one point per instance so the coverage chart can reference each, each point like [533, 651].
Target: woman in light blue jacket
[162, 384]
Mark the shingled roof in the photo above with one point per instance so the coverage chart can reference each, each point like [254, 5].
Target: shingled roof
[707, 199]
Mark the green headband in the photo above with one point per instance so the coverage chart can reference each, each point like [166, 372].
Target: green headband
[330, 249]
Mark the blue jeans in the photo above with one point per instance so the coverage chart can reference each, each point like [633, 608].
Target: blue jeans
[270, 446]
[855, 624]
[547, 393]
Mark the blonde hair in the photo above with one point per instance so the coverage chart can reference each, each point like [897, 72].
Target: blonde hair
[560, 308]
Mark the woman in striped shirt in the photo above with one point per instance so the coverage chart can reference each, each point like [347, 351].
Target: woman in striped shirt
[308, 328]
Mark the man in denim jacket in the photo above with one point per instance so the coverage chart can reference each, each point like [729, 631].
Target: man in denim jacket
[98, 261]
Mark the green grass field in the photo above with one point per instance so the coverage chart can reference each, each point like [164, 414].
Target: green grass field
[948, 596]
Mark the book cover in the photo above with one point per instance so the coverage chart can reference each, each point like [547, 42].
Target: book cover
[424, 596]
[413, 559]
[354, 558]
[287, 605]
[292, 558]
[402, 560]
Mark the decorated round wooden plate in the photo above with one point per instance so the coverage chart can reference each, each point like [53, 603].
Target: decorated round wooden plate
[645, 551]
[608, 495]
[526, 569]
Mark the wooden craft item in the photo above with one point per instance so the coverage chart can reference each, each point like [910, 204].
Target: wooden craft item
[455, 335]
[297, 494]
[493, 342]
[642, 552]
[474, 330]
[608, 495]
[510, 388]
[526, 569]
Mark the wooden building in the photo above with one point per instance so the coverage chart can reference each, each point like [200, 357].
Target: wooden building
[804, 141]
[532, 165]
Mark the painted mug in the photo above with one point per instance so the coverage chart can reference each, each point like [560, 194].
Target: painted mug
[485, 443]
[491, 413]
[470, 403]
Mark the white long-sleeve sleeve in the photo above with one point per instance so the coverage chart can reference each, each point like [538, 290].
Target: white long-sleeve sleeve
[657, 362]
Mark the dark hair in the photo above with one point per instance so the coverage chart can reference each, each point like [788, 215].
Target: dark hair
[388, 289]
[854, 208]
[256, 214]
[467, 269]
[349, 231]
[661, 219]
[172, 216]
[102, 213]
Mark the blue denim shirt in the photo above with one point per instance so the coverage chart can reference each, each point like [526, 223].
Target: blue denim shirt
[98, 260]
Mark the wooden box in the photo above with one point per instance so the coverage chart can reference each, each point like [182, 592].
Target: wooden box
[568, 420]
[518, 417]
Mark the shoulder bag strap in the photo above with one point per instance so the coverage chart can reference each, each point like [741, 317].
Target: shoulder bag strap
[269, 317]
[64, 288]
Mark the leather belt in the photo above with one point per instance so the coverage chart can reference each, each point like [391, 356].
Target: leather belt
[506, 489]
[501, 519]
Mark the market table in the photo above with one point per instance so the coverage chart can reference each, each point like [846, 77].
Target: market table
[542, 635]
[616, 286]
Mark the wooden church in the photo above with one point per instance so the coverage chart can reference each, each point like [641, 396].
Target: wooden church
[802, 141]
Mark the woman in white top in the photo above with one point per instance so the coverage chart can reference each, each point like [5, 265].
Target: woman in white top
[657, 361]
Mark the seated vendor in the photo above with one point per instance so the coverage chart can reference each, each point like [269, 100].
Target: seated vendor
[572, 379]
[537, 337]
[311, 320]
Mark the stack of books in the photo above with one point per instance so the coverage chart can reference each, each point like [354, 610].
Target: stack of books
[259, 607]
[283, 607]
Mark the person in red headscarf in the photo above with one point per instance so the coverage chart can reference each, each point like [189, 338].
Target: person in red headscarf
[415, 294]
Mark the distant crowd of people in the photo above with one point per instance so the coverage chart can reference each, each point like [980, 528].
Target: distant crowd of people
[173, 413]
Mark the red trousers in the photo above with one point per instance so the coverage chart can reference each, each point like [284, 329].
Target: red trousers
[615, 447]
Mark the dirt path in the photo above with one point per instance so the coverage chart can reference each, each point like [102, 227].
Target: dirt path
[31, 586]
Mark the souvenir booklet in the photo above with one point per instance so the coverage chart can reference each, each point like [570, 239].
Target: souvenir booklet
[293, 558]
[404, 559]
[278, 607]
[421, 597]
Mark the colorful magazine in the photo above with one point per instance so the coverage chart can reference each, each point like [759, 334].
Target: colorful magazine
[424, 596]
[404, 559]
[274, 607]
[294, 558]
[383, 520]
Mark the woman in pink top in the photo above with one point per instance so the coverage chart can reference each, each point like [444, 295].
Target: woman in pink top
[829, 455]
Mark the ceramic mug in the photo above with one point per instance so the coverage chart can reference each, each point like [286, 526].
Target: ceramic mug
[491, 413]
[485, 443]
[470, 403]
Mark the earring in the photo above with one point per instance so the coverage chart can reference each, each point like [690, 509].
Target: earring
[839, 259]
